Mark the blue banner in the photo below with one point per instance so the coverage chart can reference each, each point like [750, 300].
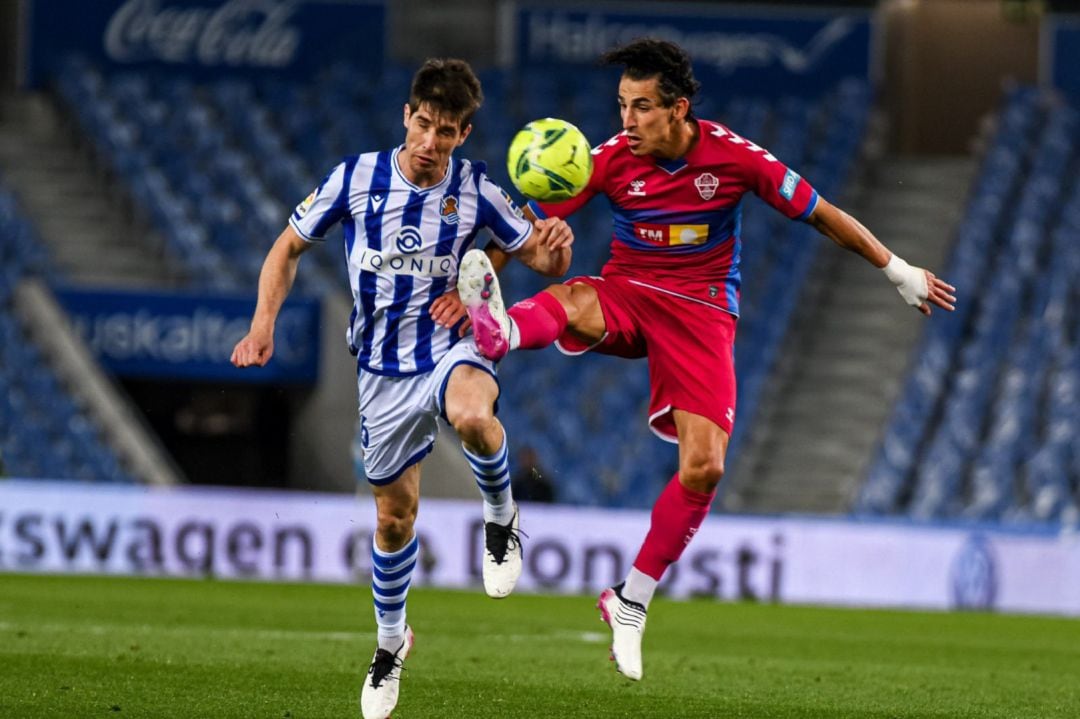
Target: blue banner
[1061, 53]
[191, 337]
[758, 50]
[203, 38]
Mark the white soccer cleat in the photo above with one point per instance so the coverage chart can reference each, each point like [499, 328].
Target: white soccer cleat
[478, 288]
[383, 680]
[502, 557]
[627, 622]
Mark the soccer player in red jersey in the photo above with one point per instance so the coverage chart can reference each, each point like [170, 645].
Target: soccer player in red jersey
[670, 291]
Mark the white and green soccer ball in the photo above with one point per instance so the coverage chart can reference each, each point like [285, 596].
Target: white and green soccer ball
[549, 160]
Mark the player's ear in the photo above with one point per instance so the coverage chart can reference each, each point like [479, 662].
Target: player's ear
[681, 108]
[407, 114]
[464, 134]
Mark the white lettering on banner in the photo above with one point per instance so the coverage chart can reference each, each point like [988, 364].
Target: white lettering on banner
[407, 264]
[71, 527]
[238, 33]
[554, 36]
[202, 336]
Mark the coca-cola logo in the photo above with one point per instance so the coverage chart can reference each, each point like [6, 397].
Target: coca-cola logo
[236, 33]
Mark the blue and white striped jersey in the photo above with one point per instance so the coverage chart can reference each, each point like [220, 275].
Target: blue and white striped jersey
[403, 244]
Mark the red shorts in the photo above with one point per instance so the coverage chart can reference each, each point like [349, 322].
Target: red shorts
[690, 346]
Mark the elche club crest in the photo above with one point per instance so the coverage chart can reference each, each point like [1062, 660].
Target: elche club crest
[706, 185]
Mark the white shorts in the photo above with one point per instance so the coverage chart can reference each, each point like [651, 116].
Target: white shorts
[399, 416]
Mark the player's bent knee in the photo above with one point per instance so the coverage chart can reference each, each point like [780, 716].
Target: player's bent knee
[395, 517]
[472, 423]
[395, 528]
[575, 300]
[702, 475]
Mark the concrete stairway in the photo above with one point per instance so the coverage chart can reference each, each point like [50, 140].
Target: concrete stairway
[92, 235]
[821, 420]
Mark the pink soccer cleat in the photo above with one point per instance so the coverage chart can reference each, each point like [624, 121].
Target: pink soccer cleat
[478, 288]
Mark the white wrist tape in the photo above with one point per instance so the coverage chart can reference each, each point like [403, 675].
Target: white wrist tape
[910, 281]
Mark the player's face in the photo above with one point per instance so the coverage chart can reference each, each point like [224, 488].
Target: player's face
[429, 140]
[651, 128]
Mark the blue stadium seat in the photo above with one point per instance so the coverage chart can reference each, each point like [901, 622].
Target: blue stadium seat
[36, 410]
[1009, 393]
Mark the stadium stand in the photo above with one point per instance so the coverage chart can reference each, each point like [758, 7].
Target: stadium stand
[987, 423]
[216, 167]
[45, 430]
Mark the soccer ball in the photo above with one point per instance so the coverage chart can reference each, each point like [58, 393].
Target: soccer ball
[549, 160]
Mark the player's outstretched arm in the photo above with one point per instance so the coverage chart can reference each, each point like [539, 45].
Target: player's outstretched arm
[275, 280]
[547, 250]
[919, 287]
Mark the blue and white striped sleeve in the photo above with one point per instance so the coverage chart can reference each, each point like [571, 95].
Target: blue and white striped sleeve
[501, 215]
[323, 208]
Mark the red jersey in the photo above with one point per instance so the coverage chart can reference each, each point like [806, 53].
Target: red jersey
[677, 222]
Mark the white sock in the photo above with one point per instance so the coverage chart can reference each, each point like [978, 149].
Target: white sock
[515, 335]
[639, 587]
[493, 478]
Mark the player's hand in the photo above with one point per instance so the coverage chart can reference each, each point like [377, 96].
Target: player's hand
[938, 292]
[553, 233]
[448, 309]
[919, 287]
[254, 350]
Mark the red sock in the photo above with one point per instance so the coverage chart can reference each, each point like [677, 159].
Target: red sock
[676, 516]
[540, 320]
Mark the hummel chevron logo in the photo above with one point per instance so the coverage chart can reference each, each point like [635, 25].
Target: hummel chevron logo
[736, 140]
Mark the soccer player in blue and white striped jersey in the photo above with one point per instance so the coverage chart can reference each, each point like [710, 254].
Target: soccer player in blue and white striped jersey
[410, 214]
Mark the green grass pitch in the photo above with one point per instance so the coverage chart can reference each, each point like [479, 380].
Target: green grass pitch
[73, 647]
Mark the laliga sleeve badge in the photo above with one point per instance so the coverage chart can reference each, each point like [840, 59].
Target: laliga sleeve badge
[304, 206]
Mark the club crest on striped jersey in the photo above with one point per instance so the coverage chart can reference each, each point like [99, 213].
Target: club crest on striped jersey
[409, 240]
[448, 211]
[706, 184]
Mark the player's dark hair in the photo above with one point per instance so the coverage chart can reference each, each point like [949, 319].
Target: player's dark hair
[450, 87]
[648, 57]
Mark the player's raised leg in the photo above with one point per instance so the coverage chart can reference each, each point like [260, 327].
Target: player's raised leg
[676, 517]
[533, 323]
[394, 553]
[469, 403]
[478, 287]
